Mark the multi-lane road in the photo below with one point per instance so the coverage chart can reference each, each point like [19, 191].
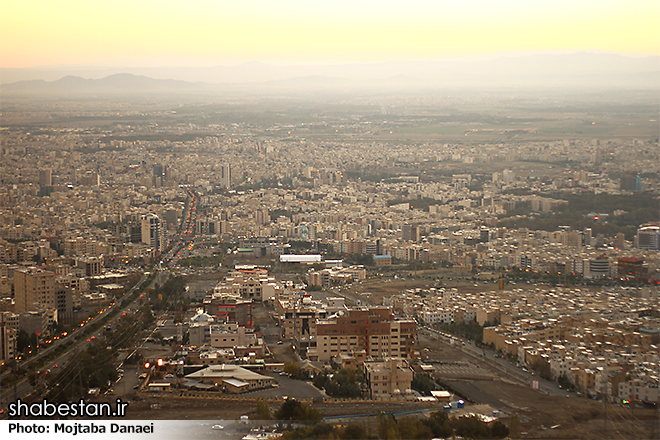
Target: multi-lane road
[22, 388]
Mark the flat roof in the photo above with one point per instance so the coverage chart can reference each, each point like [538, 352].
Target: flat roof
[290, 258]
[236, 383]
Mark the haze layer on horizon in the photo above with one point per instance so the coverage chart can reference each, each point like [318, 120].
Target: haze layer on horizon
[205, 32]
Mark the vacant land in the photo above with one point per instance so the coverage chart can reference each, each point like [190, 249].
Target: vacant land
[541, 416]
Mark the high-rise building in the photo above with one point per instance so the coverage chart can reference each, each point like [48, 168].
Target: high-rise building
[648, 237]
[599, 267]
[410, 233]
[508, 176]
[45, 177]
[7, 342]
[33, 287]
[90, 179]
[172, 218]
[225, 176]
[620, 240]
[158, 170]
[161, 174]
[461, 181]
[153, 232]
[64, 303]
[639, 188]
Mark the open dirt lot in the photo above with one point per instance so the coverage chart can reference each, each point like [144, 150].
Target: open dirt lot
[541, 416]
[574, 418]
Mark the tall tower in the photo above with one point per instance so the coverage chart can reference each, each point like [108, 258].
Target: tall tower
[45, 177]
[225, 176]
[153, 232]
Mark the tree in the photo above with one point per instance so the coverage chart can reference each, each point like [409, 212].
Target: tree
[293, 370]
[514, 427]
[565, 382]
[423, 383]
[354, 431]
[344, 383]
[292, 409]
[542, 369]
[472, 427]
[263, 411]
[387, 426]
[438, 422]
[499, 430]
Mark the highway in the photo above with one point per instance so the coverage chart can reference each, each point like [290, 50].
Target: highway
[23, 387]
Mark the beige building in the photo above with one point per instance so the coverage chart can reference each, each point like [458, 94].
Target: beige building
[231, 335]
[252, 284]
[232, 378]
[7, 341]
[388, 377]
[374, 330]
[33, 287]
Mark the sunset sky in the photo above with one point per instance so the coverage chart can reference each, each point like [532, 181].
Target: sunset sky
[45, 32]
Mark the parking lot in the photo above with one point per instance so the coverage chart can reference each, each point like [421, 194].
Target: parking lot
[290, 388]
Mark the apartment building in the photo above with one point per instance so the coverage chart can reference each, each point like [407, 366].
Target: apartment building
[247, 283]
[374, 330]
[388, 377]
[33, 287]
[231, 335]
[7, 341]
[227, 308]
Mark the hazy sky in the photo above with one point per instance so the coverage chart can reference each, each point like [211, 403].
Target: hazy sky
[57, 32]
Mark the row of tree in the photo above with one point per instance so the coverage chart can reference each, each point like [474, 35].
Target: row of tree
[387, 426]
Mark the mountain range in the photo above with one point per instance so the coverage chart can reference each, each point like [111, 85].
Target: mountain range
[583, 69]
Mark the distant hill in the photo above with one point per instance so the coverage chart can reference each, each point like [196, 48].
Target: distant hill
[113, 84]
[575, 70]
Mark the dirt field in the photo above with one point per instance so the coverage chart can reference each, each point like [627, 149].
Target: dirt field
[572, 417]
